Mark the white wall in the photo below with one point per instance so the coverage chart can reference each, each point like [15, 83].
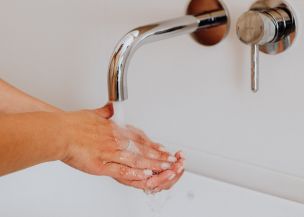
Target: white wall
[196, 97]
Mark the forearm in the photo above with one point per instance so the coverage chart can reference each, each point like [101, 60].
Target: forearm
[29, 139]
[13, 100]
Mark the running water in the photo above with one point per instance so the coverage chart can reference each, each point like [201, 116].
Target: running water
[120, 119]
[155, 202]
[119, 113]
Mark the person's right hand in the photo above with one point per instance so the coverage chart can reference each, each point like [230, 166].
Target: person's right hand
[98, 146]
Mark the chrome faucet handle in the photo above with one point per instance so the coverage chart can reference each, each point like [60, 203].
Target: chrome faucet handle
[255, 70]
[255, 28]
[269, 26]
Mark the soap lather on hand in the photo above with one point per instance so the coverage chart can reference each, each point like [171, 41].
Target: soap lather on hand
[169, 169]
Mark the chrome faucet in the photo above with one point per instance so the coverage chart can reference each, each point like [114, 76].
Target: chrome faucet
[117, 77]
[269, 26]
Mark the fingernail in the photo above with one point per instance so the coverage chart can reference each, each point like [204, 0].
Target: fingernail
[162, 149]
[180, 170]
[148, 172]
[172, 176]
[156, 190]
[148, 191]
[172, 159]
[150, 183]
[165, 166]
[153, 155]
[182, 155]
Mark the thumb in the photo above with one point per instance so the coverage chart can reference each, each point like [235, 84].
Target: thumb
[106, 112]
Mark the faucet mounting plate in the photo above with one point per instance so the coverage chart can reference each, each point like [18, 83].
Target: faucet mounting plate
[285, 42]
[213, 35]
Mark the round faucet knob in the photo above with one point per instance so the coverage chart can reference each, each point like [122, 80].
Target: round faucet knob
[269, 26]
[256, 28]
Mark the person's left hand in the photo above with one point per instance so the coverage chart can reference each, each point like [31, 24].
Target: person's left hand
[163, 180]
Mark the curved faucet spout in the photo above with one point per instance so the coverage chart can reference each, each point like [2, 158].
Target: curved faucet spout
[117, 77]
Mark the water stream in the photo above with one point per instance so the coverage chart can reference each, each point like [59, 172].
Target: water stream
[119, 113]
[155, 202]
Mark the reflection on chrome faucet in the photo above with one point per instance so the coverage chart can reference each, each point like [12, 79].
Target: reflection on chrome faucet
[117, 77]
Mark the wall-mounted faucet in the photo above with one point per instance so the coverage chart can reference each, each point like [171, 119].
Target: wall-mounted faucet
[269, 26]
[207, 15]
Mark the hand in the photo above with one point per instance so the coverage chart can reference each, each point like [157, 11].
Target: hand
[163, 180]
[98, 146]
[86, 140]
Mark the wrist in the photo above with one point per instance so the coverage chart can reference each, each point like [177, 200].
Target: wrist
[49, 134]
[60, 134]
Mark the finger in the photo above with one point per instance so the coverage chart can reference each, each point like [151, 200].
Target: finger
[179, 170]
[119, 171]
[147, 146]
[140, 136]
[150, 184]
[149, 152]
[106, 112]
[180, 155]
[136, 161]
[169, 184]
[158, 180]
[135, 184]
[156, 154]
[178, 167]
[139, 147]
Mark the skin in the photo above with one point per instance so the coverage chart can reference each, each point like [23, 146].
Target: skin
[13, 100]
[34, 132]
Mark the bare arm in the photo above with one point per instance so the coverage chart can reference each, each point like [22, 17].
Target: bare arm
[86, 140]
[27, 139]
[13, 100]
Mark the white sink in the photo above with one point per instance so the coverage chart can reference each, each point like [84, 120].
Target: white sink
[54, 190]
